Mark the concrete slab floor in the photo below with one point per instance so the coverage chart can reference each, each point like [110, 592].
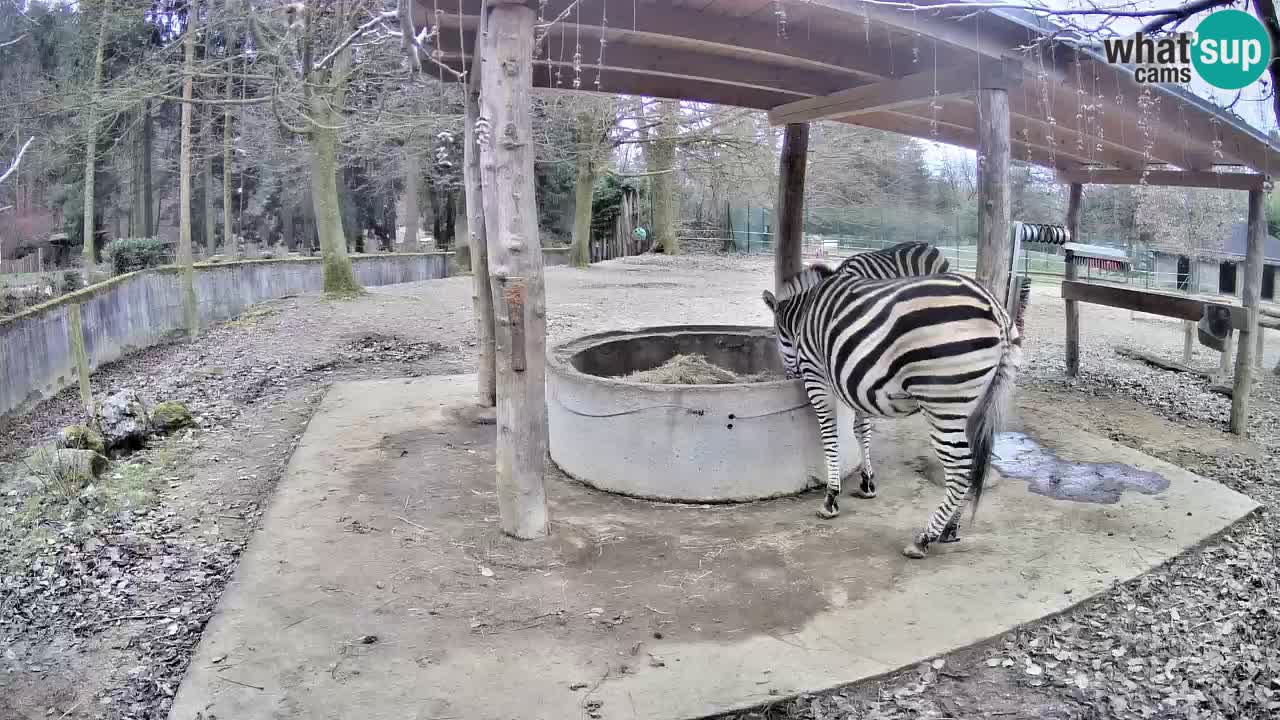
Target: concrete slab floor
[385, 527]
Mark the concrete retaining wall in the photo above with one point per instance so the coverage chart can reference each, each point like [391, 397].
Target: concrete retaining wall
[140, 309]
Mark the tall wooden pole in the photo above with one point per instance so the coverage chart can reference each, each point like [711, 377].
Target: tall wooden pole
[790, 210]
[993, 190]
[481, 292]
[1074, 201]
[504, 134]
[1250, 296]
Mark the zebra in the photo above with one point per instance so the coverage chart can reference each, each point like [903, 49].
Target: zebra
[905, 259]
[940, 345]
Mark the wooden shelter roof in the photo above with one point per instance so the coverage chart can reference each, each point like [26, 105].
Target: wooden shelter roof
[1070, 111]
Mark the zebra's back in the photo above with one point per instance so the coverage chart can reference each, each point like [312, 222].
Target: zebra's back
[889, 346]
[906, 259]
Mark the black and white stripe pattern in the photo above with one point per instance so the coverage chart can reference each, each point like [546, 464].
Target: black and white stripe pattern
[940, 345]
[906, 259]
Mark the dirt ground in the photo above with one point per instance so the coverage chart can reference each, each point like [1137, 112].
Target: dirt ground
[104, 627]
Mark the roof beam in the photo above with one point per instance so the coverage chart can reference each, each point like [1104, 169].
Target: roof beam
[664, 25]
[961, 136]
[1168, 178]
[901, 92]
[671, 62]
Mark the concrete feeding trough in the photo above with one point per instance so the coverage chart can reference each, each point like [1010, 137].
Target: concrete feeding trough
[693, 443]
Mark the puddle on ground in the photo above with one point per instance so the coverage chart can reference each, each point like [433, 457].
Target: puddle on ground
[1019, 456]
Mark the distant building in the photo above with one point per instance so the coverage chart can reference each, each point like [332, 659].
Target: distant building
[1217, 271]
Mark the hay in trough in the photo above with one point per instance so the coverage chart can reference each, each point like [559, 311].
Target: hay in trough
[697, 370]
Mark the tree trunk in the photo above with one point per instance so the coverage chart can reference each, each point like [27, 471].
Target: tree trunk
[91, 145]
[511, 224]
[185, 259]
[450, 216]
[661, 156]
[228, 230]
[326, 108]
[412, 216]
[139, 208]
[149, 220]
[580, 250]
[481, 292]
[206, 182]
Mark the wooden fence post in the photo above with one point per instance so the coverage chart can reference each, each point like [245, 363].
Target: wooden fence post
[504, 134]
[993, 190]
[1251, 297]
[1074, 202]
[791, 170]
[481, 292]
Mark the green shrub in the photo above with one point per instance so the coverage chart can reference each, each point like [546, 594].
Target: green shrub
[130, 254]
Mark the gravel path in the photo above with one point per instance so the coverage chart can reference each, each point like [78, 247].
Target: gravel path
[107, 624]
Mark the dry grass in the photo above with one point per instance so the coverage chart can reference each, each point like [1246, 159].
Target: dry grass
[697, 370]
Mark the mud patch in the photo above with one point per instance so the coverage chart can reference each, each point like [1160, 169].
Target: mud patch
[1019, 456]
[385, 348]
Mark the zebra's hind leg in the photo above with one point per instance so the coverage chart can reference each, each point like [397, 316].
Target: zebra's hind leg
[952, 448]
[951, 533]
[867, 487]
[820, 399]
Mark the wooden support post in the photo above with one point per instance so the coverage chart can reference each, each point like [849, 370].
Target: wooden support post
[791, 168]
[1224, 359]
[503, 132]
[1251, 297]
[993, 190]
[1188, 341]
[1258, 352]
[481, 292]
[1074, 201]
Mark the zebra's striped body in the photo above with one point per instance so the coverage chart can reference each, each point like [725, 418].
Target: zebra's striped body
[906, 259]
[939, 345]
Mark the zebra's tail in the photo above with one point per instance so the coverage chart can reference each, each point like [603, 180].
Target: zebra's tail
[988, 416]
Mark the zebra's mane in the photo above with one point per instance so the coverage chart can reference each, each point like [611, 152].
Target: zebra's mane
[803, 281]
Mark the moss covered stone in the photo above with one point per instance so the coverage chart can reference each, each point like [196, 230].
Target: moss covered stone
[170, 415]
[82, 437]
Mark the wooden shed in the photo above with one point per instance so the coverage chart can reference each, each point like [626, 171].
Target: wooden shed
[1005, 83]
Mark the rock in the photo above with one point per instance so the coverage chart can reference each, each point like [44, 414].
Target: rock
[169, 416]
[65, 471]
[82, 437]
[122, 419]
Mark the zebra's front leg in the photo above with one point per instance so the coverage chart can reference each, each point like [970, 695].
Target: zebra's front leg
[862, 428]
[821, 401]
[952, 449]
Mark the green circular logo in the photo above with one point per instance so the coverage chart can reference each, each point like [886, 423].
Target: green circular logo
[1231, 49]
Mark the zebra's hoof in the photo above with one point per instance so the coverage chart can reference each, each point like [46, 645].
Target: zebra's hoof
[862, 494]
[914, 551]
[952, 538]
[830, 506]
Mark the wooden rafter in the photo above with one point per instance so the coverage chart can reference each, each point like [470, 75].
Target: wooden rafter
[1173, 178]
[905, 91]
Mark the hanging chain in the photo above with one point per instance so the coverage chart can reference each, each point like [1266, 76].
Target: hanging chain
[577, 47]
[604, 40]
